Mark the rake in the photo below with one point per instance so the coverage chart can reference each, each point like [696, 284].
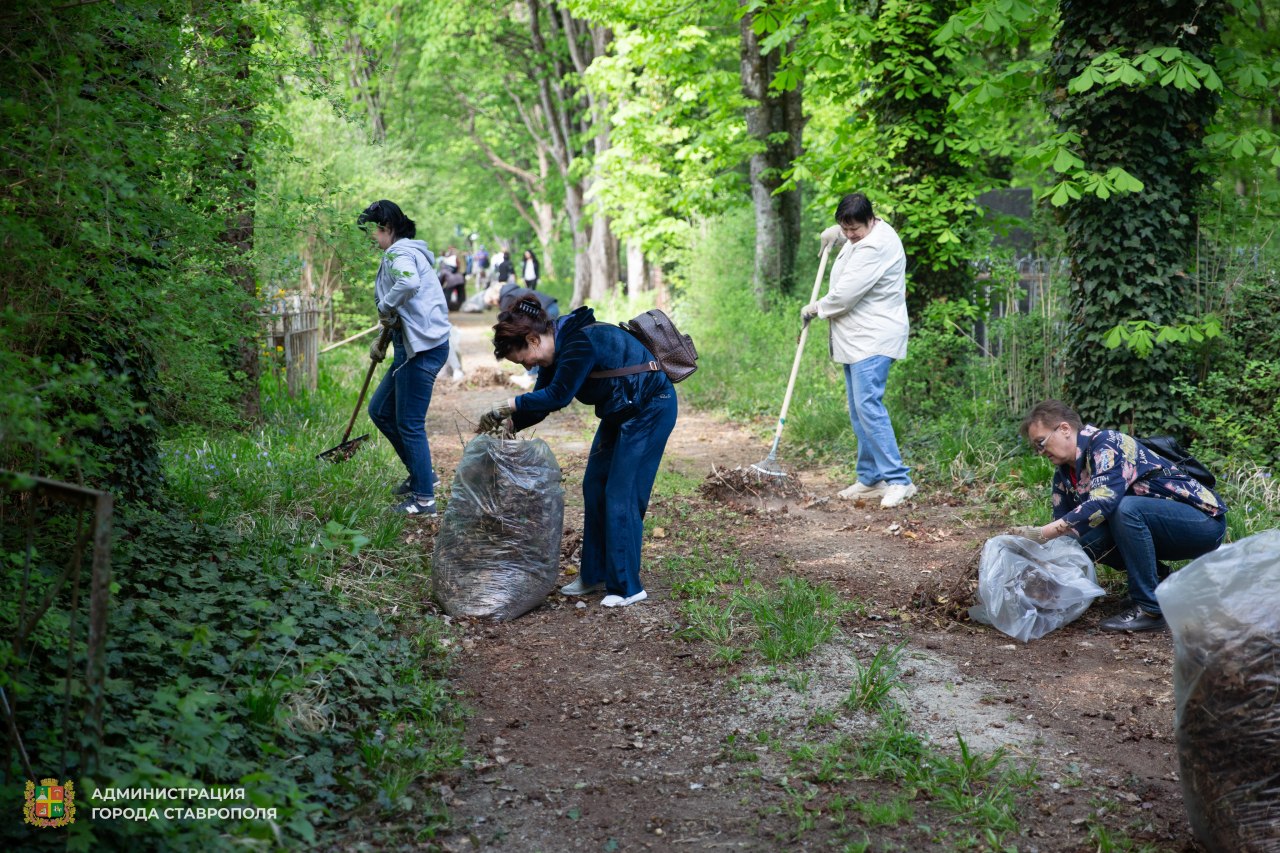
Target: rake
[768, 467]
[348, 446]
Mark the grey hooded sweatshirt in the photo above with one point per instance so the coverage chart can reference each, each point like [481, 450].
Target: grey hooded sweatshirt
[407, 284]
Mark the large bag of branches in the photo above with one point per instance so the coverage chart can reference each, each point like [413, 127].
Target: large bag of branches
[1224, 611]
[1027, 590]
[497, 553]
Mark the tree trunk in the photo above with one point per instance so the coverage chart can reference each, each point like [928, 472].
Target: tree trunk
[638, 279]
[1131, 253]
[777, 121]
[602, 258]
[581, 242]
[239, 230]
[925, 176]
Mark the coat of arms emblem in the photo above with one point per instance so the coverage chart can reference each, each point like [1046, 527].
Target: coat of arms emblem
[50, 804]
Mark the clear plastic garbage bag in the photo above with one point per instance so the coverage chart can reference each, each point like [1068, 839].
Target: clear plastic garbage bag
[1224, 611]
[1027, 590]
[497, 553]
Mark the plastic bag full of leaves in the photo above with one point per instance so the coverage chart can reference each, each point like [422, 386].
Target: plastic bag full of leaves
[497, 554]
[1224, 611]
[1027, 590]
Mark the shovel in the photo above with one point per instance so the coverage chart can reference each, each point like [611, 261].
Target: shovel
[342, 452]
[768, 467]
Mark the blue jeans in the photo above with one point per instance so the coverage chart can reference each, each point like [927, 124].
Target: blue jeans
[1143, 531]
[878, 455]
[615, 491]
[398, 408]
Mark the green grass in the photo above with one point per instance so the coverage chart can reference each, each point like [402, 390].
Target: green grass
[791, 620]
[721, 603]
[891, 776]
[874, 682]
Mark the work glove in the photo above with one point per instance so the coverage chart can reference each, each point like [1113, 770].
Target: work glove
[495, 419]
[389, 319]
[378, 349]
[1032, 532]
[833, 238]
[809, 311]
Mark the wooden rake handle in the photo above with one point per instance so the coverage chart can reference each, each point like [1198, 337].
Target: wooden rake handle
[385, 339]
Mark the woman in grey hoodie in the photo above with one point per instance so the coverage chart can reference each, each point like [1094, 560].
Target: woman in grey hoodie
[411, 302]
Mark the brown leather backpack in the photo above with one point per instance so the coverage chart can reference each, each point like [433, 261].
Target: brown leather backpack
[675, 353]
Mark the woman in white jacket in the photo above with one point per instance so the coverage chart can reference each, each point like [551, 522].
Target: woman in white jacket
[866, 303]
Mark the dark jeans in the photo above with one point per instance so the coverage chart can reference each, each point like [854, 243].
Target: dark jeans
[1143, 531]
[615, 490]
[398, 408]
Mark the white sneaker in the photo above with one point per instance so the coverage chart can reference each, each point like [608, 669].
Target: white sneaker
[524, 381]
[619, 601]
[859, 491]
[896, 493]
[577, 587]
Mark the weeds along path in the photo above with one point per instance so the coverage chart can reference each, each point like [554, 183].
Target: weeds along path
[797, 678]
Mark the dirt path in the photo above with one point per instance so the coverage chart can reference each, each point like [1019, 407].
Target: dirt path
[600, 729]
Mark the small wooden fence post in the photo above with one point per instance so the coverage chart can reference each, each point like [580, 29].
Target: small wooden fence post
[293, 327]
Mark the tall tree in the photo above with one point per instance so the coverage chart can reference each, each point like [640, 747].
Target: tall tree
[677, 131]
[775, 120]
[1131, 253]
[517, 72]
[575, 131]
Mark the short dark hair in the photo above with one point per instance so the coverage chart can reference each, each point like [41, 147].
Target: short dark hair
[1050, 413]
[389, 214]
[855, 207]
[522, 318]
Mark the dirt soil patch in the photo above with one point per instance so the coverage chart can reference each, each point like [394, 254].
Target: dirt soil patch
[597, 729]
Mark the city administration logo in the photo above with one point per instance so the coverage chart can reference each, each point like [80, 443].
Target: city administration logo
[50, 804]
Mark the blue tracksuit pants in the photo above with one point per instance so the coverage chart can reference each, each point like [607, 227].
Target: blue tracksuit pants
[615, 490]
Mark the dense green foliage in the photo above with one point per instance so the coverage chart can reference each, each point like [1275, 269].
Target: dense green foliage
[251, 644]
[1131, 253]
[118, 310]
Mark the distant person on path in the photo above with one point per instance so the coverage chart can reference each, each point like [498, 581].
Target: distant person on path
[411, 302]
[503, 267]
[637, 411]
[866, 303]
[481, 265]
[505, 297]
[529, 269]
[1129, 507]
[455, 288]
[449, 262]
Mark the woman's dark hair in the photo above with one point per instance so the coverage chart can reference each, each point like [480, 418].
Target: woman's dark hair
[523, 318]
[855, 207]
[388, 213]
[1050, 413]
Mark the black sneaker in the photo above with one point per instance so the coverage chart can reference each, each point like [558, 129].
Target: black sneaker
[412, 506]
[1133, 619]
[403, 489]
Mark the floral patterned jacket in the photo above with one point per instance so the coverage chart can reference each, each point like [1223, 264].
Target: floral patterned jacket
[1110, 465]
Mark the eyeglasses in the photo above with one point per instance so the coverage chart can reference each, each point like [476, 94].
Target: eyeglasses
[1040, 442]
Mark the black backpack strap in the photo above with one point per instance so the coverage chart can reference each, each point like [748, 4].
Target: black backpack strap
[647, 367]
